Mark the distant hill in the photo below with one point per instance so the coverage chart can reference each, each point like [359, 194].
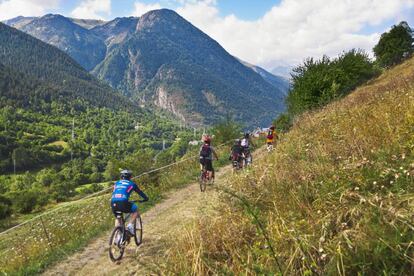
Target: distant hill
[44, 63]
[163, 61]
[276, 81]
[283, 71]
[82, 45]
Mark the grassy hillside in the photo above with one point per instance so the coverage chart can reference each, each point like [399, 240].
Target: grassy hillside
[335, 197]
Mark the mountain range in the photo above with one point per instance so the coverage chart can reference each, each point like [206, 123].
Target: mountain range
[161, 60]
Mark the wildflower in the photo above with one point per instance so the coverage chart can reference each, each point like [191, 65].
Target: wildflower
[356, 188]
[323, 257]
[396, 176]
[375, 182]
[320, 250]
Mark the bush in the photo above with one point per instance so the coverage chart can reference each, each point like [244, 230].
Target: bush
[25, 202]
[317, 82]
[5, 207]
[283, 122]
[395, 45]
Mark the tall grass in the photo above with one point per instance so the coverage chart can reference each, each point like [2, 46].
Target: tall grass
[336, 197]
[29, 249]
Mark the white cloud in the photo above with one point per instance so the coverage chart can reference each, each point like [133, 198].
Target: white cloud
[296, 29]
[141, 8]
[92, 9]
[13, 8]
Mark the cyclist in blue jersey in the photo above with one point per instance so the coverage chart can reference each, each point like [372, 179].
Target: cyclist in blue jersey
[120, 196]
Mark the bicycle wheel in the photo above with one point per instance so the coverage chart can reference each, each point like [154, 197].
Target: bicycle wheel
[138, 231]
[116, 244]
[203, 181]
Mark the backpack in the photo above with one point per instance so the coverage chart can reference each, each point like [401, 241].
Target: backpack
[205, 151]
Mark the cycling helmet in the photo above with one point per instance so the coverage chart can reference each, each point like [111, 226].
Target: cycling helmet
[272, 127]
[246, 135]
[207, 139]
[237, 141]
[126, 174]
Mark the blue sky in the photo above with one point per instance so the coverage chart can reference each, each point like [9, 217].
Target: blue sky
[270, 33]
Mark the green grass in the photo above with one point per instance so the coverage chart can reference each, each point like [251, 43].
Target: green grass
[61, 143]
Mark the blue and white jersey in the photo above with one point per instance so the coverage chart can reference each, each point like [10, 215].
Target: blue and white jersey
[123, 189]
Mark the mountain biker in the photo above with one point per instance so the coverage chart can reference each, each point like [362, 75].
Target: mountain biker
[206, 156]
[270, 137]
[237, 152]
[246, 142]
[119, 201]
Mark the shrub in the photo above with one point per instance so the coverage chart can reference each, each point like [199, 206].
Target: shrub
[317, 82]
[25, 202]
[5, 207]
[395, 45]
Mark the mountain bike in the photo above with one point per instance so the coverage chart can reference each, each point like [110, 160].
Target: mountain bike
[247, 158]
[204, 179]
[237, 162]
[121, 237]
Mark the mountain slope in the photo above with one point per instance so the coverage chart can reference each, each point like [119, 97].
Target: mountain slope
[37, 60]
[81, 44]
[276, 81]
[163, 61]
[116, 31]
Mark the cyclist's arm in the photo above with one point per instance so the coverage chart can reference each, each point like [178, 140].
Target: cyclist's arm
[141, 193]
[215, 153]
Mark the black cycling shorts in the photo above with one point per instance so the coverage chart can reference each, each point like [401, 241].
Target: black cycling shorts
[208, 163]
[123, 206]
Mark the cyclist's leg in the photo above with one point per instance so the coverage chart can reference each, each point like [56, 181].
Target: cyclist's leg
[115, 207]
[134, 212]
[202, 161]
[209, 168]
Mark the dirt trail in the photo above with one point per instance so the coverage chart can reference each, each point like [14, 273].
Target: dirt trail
[179, 209]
